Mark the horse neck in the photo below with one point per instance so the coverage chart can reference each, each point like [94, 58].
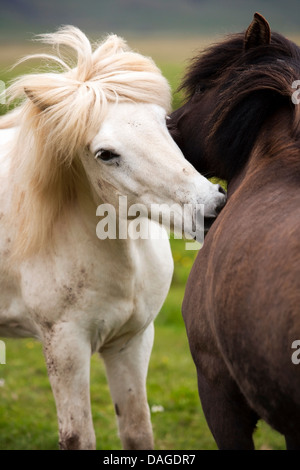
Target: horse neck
[275, 155]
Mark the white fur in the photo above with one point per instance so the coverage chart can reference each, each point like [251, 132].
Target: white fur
[78, 294]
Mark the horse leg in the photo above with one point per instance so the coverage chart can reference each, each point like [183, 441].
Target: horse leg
[126, 369]
[227, 413]
[68, 356]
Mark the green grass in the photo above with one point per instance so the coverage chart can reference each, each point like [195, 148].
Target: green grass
[27, 409]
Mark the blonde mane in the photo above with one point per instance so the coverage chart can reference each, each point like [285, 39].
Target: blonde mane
[60, 112]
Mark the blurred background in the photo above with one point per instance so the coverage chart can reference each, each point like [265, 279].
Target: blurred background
[19, 18]
[171, 32]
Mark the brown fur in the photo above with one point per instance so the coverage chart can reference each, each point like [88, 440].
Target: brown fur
[242, 299]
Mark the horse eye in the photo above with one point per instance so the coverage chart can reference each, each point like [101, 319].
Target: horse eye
[200, 89]
[106, 155]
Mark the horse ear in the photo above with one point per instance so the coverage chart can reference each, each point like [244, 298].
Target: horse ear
[33, 96]
[258, 32]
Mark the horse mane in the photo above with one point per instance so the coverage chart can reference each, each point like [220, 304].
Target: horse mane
[61, 110]
[251, 86]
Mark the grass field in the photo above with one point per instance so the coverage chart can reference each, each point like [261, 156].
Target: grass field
[27, 409]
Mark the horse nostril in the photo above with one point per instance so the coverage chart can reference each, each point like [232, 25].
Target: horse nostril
[222, 204]
[221, 190]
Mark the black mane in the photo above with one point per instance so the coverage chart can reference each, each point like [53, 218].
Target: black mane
[227, 57]
[251, 85]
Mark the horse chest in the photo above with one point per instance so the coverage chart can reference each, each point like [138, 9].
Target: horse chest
[132, 303]
[108, 298]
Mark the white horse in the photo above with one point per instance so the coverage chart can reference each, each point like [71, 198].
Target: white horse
[84, 135]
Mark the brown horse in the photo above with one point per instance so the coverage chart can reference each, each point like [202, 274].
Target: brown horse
[242, 301]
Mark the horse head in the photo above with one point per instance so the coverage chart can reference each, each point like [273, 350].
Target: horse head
[232, 90]
[99, 128]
